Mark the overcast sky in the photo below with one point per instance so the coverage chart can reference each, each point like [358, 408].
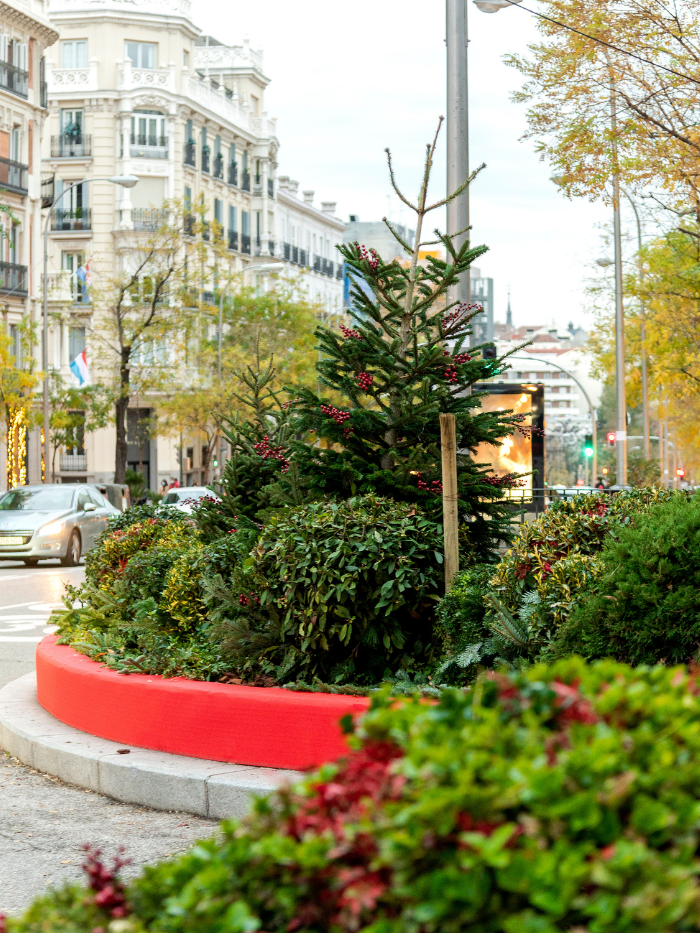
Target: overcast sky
[348, 80]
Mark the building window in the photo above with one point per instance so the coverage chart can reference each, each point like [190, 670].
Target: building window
[72, 125]
[148, 129]
[74, 53]
[141, 54]
[76, 341]
[232, 219]
[185, 58]
[74, 264]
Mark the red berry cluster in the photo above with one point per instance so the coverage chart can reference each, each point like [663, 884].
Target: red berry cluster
[451, 374]
[109, 891]
[340, 417]
[435, 486]
[350, 332]
[246, 600]
[507, 481]
[274, 453]
[370, 257]
[459, 312]
[462, 358]
[364, 381]
[528, 430]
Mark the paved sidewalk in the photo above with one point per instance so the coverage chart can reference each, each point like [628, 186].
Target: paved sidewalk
[44, 823]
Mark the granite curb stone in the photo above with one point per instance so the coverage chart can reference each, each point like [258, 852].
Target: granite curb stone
[129, 774]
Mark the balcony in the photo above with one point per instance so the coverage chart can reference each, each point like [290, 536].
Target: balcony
[13, 176]
[205, 159]
[144, 146]
[233, 239]
[13, 279]
[14, 79]
[67, 146]
[339, 270]
[218, 166]
[190, 153]
[327, 268]
[233, 173]
[245, 243]
[149, 219]
[78, 219]
[270, 188]
[73, 463]
[257, 186]
[245, 180]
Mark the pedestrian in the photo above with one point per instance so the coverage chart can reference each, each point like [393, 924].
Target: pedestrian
[173, 483]
[163, 487]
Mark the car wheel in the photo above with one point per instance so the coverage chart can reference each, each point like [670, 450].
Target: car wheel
[31, 561]
[72, 558]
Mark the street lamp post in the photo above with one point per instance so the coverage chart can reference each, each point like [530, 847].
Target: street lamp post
[126, 181]
[457, 132]
[645, 387]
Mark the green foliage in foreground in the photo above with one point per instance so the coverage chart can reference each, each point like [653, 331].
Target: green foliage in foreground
[645, 605]
[564, 798]
[344, 591]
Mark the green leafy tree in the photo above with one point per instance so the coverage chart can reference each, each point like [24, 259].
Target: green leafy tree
[75, 411]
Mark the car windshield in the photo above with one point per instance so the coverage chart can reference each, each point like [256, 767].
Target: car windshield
[49, 498]
[183, 494]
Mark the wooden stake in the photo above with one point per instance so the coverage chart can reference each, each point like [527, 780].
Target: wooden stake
[448, 444]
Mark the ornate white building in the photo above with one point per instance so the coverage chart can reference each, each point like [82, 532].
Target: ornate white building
[25, 33]
[134, 88]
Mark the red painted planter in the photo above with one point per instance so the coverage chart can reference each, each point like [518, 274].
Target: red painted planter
[265, 726]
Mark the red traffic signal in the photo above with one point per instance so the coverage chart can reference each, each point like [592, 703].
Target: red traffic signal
[680, 472]
[611, 438]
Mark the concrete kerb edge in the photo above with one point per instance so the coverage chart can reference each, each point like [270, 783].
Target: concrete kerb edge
[153, 779]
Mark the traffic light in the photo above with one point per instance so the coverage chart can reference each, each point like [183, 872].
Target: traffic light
[680, 472]
[489, 352]
[611, 438]
[588, 445]
[215, 462]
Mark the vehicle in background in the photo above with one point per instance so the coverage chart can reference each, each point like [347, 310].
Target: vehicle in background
[117, 493]
[186, 498]
[55, 520]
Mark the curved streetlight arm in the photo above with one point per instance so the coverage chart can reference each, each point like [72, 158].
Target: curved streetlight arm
[534, 359]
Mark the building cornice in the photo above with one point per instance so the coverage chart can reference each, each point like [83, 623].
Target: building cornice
[128, 18]
[283, 197]
[37, 27]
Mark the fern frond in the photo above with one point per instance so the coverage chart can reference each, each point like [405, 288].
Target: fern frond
[506, 626]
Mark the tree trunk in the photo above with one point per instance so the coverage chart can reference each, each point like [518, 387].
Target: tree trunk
[121, 405]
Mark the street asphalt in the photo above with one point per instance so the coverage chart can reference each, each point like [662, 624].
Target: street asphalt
[43, 822]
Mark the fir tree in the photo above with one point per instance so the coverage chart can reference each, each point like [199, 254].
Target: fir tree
[406, 359]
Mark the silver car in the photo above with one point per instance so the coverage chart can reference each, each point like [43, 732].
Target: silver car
[185, 498]
[50, 521]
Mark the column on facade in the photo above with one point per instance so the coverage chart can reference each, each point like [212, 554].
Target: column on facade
[264, 229]
[123, 143]
[65, 360]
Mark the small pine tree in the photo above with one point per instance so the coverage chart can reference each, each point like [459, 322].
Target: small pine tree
[406, 359]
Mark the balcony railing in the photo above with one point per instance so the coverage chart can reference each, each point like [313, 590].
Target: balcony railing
[324, 266]
[13, 278]
[191, 153]
[205, 159]
[66, 146]
[145, 146]
[233, 239]
[43, 94]
[245, 181]
[327, 268]
[270, 188]
[339, 270]
[218, 166]
[245, 243]
[14, 79]
[78, 219]
[48, 189]
[271, 247]
[13, 175]
[145, 218]
[71, 462]
[233, 173]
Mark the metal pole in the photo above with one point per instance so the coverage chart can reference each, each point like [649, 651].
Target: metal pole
[457, 129]
[45, 352]
[645, 385]
[221, 326]
[621, 436]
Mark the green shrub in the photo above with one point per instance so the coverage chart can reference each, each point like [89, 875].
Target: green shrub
[645, 605]
[562, 799]
[540, 580]
[335, 590]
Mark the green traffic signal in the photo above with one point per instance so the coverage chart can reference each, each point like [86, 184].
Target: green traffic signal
[588, 445]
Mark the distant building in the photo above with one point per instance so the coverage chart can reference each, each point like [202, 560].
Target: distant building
[374, 234]
[482, 292]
